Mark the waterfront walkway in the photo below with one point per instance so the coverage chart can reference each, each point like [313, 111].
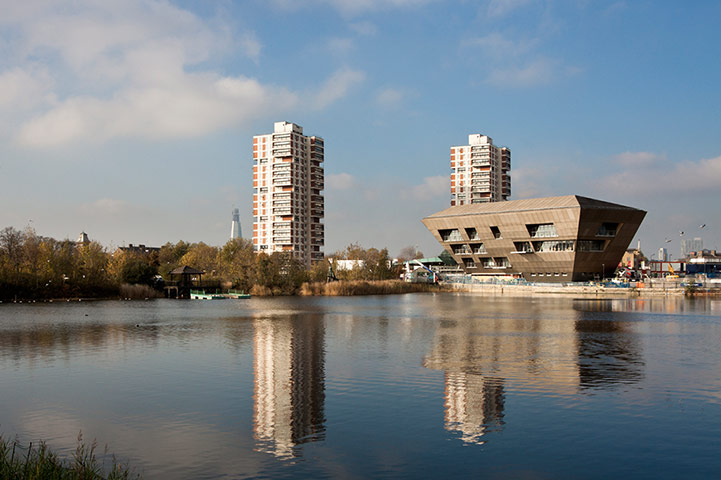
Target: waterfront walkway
[652, 288]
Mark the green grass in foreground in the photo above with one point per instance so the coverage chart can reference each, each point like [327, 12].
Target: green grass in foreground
[38, 462]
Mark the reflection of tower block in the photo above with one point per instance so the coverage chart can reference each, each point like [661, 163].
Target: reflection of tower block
[474, 405]
[289, 397]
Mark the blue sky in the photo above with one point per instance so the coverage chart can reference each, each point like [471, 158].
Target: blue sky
[133, 120]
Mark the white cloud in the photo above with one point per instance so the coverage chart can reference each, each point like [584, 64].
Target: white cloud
[24, 88]
[352, 7]
[251, 46]
[106, 206]
[367, 29]
[530, 182]
[340, 181]
[501, 8]
[390, 97]
[641, 159]
[131, 71]
[515, 62]
[191, 105]
[340, 46]
[666, 178]
[124, 69]
[497, 45]
[336, 87]
[437, 186]
[540, 71]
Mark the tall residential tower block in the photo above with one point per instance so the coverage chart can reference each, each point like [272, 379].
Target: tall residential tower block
[479, 171]
[288, 206]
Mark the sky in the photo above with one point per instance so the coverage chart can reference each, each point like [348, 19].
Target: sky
[133, 120]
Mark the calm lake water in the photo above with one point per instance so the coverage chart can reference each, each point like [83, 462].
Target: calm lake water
[420, 385]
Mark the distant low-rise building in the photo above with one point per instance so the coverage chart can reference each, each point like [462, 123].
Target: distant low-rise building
[141, 249]
[632, 259]
[707, 262]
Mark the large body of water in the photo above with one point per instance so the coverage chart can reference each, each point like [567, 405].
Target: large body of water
[419, 385]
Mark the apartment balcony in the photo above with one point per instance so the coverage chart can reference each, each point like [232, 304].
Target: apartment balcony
[480, 163]
[282, 211]
[282, 181]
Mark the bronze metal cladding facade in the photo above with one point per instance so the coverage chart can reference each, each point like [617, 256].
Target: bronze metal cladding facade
[554, 239]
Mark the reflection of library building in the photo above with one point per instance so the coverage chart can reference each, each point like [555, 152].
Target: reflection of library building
[554, 239]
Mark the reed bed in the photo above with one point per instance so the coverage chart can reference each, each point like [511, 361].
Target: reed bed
[138, 292]
[363, 287]
[38, 462]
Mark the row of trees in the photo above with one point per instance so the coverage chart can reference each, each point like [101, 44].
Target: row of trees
[32, 266]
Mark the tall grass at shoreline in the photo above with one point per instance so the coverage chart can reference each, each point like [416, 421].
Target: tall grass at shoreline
[38, 462]
[362, 287]
[138, 292]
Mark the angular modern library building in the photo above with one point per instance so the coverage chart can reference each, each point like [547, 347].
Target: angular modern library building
[555, 239]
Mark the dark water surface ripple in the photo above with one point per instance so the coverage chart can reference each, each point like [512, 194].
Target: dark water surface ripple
[410, 386]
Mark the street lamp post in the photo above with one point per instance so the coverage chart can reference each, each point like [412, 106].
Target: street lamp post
[603, 271]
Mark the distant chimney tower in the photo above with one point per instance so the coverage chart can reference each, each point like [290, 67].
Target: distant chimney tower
[235, 226]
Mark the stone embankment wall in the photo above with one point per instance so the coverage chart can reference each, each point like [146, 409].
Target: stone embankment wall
[558, 289]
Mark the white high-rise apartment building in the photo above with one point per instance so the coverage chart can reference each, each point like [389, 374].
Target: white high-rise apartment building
[479, 171]
[287, 202]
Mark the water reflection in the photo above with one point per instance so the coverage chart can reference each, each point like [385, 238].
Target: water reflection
[559, 353]
[289, 398]
[473, 405]
[609, 355]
